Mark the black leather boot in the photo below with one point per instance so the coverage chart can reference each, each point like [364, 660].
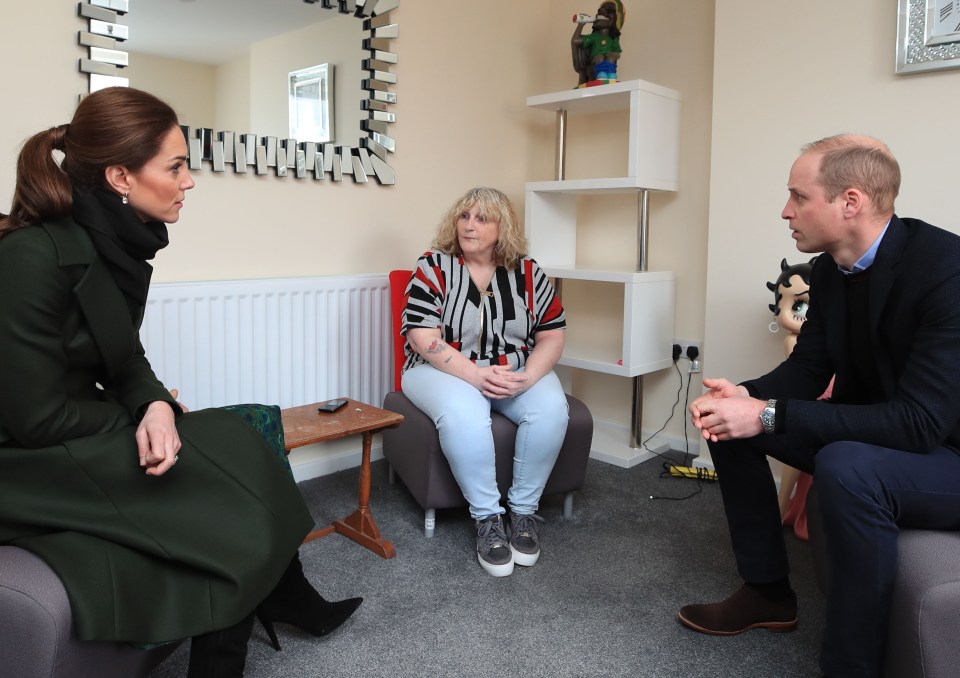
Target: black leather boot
[220, 654]
[294, 601]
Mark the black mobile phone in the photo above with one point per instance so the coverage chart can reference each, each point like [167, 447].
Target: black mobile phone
[332, 405]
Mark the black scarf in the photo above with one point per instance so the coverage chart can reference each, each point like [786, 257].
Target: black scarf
[122, 240]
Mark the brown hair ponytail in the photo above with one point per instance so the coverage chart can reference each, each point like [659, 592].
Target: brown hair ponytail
[43, 190]
[114, 126]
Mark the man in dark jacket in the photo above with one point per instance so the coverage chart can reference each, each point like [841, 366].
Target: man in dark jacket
[885, 319]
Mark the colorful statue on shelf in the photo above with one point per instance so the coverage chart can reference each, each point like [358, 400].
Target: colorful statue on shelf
[595, 55]
[791, 297]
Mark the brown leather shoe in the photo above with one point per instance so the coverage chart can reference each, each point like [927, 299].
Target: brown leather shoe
[746, 609]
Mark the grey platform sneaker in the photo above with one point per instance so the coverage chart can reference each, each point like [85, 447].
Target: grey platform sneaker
[525, 538]
[493, 548]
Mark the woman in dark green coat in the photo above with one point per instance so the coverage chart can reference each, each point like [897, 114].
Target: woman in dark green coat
[161, 524]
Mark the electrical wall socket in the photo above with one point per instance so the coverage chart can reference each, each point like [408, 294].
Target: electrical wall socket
[684, 343]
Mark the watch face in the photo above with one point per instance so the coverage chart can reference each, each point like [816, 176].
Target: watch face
[768, 417]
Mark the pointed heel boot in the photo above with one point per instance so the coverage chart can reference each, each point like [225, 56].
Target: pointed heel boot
[220, 654]
[317, 617]
[268, 627]
[294, 601]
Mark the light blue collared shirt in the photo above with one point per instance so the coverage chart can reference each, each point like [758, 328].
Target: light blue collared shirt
[866, 261]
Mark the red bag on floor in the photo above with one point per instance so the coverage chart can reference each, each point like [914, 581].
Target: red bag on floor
[797, 509]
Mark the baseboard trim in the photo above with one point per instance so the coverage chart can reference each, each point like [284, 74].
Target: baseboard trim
[331, 461]
[703, 462]
[611, 444]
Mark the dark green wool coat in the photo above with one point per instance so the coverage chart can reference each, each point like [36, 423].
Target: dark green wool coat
[143, 559]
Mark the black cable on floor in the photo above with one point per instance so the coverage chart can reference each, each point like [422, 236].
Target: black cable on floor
[670, 463]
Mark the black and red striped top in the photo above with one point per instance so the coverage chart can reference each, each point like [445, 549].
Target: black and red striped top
[516, 305]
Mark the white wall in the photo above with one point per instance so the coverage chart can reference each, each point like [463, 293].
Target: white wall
[787, 74]
[337, 42]
[465, 70]
[457, 126]
[451, 133]
[41, 86]
[190, 88]
[758, 80]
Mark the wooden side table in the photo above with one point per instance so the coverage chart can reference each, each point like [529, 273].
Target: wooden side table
[304, 426]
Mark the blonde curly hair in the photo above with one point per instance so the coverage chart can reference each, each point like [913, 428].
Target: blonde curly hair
[495, 206]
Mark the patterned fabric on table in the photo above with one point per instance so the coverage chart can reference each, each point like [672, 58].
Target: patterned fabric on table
[266, 420]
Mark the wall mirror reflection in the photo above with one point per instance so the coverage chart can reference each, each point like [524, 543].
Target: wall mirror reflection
[226, 65]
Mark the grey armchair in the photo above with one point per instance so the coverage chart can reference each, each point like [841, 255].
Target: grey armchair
[413, 448]
[36, 629]
[925, 611]
[413, 452]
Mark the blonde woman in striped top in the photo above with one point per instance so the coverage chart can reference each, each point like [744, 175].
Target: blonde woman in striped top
[484, 329]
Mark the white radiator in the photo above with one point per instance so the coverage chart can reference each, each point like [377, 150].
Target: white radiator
[285, 342]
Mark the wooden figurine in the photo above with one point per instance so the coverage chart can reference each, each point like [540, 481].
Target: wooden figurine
[595, 55]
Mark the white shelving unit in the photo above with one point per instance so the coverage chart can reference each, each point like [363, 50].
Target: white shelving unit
[551, 226]
[648, 302]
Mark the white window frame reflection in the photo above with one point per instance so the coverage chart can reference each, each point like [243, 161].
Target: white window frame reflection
[311, 103]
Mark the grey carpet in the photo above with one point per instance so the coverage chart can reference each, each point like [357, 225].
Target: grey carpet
[602, 601]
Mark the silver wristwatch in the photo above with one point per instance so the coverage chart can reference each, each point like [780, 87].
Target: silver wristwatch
[768, 416]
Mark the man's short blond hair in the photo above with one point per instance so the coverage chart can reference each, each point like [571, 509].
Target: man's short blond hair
[861, 162]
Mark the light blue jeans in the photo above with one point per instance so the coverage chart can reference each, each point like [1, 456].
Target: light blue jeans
[462, 417]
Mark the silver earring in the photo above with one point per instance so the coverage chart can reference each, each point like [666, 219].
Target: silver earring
[774, 327]
[124, 199]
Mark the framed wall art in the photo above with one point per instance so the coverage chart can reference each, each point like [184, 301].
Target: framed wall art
[928, 35]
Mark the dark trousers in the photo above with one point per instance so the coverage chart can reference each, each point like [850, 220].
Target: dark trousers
[866, 494]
